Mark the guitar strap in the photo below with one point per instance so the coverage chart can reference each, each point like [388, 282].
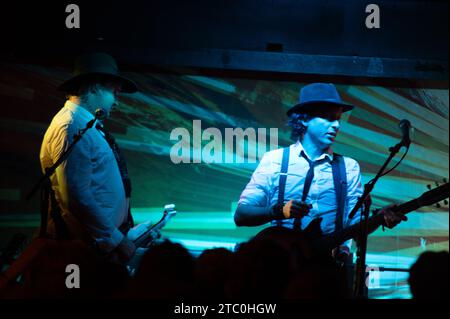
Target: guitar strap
[120, 159]
[50, 206]
[339, 180]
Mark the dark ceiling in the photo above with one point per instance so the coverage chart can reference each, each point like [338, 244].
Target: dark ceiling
[290, 36]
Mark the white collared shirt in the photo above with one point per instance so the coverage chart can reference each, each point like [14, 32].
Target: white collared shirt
[262, 190]
[88, 185]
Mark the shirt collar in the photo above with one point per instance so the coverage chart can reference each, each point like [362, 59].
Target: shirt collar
[80, 110]
[298, 148]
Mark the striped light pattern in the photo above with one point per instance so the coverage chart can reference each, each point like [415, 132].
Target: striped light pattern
[206, 194]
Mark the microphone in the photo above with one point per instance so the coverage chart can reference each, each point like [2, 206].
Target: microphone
[405, 127]
[100, 114]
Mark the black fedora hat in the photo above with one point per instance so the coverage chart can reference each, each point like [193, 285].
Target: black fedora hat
[97, 66]
[318, 94]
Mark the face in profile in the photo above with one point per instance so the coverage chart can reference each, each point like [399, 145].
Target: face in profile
[105, 96]
[323, 125]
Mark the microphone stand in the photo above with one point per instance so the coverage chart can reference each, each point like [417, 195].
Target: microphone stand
[360, 271]
[44, 182]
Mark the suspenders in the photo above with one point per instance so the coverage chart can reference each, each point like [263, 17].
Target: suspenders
[339, 180]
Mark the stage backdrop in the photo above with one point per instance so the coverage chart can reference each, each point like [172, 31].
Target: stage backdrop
[177, 136]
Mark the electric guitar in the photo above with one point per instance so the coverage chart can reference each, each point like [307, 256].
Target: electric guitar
[145, 234]
[320, 244]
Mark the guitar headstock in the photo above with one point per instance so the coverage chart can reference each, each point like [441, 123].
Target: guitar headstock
[437, 195]
[170, 210]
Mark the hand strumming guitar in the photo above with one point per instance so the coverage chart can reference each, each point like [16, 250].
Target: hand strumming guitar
[125, 251]
[341, 254]
[292, 209]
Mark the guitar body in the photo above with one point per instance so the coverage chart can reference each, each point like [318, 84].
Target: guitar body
[302, 242]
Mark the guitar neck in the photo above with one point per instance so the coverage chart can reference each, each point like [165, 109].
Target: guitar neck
[352, 232]
[330, 241]
[152, 232]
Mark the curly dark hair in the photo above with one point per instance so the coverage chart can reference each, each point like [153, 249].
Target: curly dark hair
[295, 122]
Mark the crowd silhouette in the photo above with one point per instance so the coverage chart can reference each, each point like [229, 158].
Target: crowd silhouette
[261, 268]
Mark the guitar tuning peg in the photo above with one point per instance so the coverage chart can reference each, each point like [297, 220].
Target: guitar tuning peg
[438, 205]
[436, 183]
[445, 202]
[445, 180]
[429, 186]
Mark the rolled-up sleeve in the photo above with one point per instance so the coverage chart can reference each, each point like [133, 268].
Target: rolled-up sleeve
[257, 191]
[75, 175]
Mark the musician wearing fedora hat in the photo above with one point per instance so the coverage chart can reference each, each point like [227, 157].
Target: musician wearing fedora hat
[91, 187]
[293, 186]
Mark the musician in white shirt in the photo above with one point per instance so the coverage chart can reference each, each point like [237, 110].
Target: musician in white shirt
[315, 123]
[88, 185]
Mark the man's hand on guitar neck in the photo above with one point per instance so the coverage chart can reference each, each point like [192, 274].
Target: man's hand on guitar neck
[392, 218]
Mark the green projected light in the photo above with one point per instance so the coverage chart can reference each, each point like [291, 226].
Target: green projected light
[206, 192]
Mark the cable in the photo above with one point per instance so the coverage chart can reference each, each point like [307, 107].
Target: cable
[401, 159]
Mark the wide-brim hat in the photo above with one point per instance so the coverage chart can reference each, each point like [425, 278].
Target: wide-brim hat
[317, 95]
[97, 66]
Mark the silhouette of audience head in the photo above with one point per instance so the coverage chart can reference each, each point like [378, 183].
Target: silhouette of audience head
[166, 271]
[260, 269]
[48, 274]
[428, 276]
[319, 280]
[211, 273]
